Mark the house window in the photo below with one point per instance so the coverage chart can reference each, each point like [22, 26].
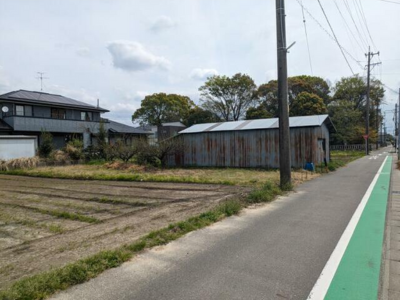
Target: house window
[28, 111]
[86, 116]
[19, 110]
[58, 113]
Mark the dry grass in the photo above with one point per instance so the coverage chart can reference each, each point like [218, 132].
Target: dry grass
[131, 172]
[19, 163]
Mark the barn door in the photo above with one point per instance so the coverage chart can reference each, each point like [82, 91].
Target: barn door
[321, 151]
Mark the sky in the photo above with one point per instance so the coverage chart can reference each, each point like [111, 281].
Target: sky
[119, 51]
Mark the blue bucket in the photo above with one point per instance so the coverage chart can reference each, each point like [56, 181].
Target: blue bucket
[309, 167]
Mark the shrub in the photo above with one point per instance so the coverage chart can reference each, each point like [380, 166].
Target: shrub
[46, 144]
[124, 152]
[18, 163]
[266, 194]
[109, 152]
[147, 154]
[74, 149]
[58, 156]
[157, 154]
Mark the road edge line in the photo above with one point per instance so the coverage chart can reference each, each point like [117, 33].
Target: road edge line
[323, 282]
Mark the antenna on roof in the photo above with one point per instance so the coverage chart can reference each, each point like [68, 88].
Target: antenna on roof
[98, 102]
[41, 80]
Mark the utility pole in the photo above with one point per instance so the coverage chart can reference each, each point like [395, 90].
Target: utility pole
[369, 55]
[384, 136]
[398, 130]
[395, 127]
[377, 125]
[284, 130]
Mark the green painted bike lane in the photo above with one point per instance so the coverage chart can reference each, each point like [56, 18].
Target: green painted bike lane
[357, 276]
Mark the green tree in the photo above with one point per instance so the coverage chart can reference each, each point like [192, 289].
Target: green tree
[315, 85]
[228, 97]
[307, 104]
[258, 112]
[198, 115]
[46, 144]
[267, 93]
[348, 122]
[160, 108]
[354, 90]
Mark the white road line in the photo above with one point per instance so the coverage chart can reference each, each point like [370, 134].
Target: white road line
[324, 281]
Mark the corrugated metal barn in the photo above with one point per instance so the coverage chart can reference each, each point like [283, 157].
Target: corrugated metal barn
[254, 143]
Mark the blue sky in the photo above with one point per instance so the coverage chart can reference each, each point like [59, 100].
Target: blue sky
[118, 51]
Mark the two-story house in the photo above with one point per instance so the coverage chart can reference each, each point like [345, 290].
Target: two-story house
[28, 113]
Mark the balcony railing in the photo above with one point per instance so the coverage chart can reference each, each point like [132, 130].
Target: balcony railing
[22, 123]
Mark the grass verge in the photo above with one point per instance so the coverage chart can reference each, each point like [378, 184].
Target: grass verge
[42, 285]
[115, 177]
[339, 159]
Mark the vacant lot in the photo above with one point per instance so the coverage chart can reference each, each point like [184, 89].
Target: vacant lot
[46, 223]
[130, 172]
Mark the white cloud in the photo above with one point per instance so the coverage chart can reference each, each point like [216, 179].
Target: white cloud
[202, 74]
[83, 51]
[128, 102]
[162, 23]
[132, 56]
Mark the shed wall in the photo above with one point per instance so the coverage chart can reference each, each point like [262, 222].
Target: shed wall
[253, 148]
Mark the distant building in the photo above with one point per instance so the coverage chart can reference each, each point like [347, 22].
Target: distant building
[162, 132]
[28, 113]
[254, 143]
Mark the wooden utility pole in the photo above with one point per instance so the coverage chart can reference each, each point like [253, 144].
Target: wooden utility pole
[377, 125]
[395, 127]
[284, 130]
[398, 130]
[369, 55]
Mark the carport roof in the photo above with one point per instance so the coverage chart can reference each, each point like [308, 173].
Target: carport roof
[272, 123]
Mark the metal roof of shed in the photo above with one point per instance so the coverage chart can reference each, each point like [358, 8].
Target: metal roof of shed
[46, 98]
[272, 123]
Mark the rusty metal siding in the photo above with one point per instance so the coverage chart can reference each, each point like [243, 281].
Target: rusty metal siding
[251, 148]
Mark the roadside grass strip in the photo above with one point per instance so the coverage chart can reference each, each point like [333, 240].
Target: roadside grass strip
[353, 270]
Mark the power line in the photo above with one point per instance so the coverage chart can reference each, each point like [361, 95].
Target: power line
[328, 34]
[366, 23]
[390, 89]
[360, 21]
[308, 44]
[346, 4]
[348, 27]
[333, 32]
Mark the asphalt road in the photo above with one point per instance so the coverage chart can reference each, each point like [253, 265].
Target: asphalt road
[273, 252]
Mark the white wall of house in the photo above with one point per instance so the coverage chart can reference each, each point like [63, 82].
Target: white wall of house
[14, 146]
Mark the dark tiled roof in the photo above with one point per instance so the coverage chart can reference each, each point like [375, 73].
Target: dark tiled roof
[4, 126]
[46, 98]
[116, 127]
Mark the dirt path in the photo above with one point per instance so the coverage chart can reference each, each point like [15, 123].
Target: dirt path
[45, 223]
